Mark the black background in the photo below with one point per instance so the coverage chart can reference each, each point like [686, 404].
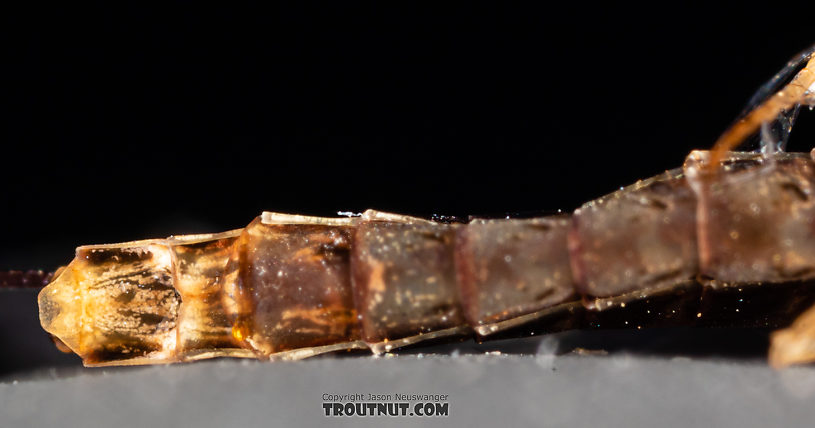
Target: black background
[133, 123]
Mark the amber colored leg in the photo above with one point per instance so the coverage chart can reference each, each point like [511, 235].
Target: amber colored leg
[796, 343]
[793, 93]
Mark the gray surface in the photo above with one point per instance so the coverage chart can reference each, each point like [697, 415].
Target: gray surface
[544, 389]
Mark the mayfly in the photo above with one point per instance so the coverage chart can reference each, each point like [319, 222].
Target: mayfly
[727, 239]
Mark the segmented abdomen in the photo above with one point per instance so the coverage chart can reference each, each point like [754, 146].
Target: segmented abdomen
[681, 248]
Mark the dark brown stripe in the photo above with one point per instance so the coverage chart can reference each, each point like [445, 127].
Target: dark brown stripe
[25, 279]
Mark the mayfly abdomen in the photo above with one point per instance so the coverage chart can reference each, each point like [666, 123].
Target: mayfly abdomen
[756, 237]
[682, 248]
[727, 240]
[757, 219]
[288, 287]
[642, 237]
[405, 281]
[143, 302]
[198, 266]
[511, 271]
[114, 302]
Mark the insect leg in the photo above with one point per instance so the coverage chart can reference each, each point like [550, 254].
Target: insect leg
[777, 100]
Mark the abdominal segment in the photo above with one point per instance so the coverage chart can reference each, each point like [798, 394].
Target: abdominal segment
[686, 247]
